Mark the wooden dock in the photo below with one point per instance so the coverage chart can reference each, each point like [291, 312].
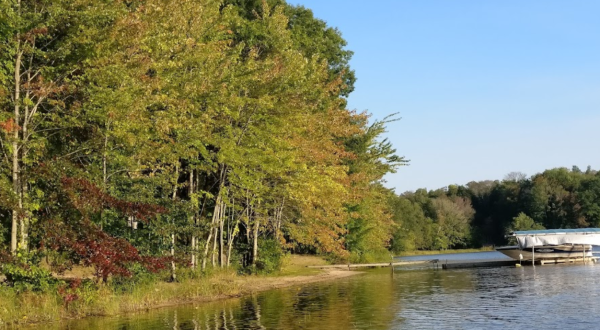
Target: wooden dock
[377, 265]
[568, 261]
[456, 264]
[478, 264]
[505, 263]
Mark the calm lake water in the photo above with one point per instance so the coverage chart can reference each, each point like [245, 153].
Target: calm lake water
[541, 297]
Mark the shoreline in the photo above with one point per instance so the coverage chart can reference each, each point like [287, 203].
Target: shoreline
[255, 285]
[33, 309]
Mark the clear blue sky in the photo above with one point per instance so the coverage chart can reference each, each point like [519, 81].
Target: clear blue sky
[484, 88]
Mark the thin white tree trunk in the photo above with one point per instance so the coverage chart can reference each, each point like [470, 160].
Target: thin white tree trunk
[278, 216]
[231, 237]
[173, 275]
[23, 170]
[218, 231]
[24, 188]
[212, 226]
[192, 220]
[214, 247]
[206, 246]
[105, 158]
[221, 234]
[255, 240]
[16, 212]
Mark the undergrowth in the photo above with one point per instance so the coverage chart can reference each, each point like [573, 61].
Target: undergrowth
[79, 298]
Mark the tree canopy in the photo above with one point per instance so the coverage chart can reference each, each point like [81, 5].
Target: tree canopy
[184, 134]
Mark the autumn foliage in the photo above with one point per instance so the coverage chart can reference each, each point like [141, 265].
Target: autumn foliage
[132, 139]
[89, 198]
[85, 243]
[88, 245]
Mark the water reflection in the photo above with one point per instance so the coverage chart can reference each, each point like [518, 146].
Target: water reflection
[549, 297]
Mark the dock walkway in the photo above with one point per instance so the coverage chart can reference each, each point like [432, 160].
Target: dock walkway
[376, 265]
[457, 264]
[505, 263]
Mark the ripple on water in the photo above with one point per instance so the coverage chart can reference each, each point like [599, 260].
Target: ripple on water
[549, 297]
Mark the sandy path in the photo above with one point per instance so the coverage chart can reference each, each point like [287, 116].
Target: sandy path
[263, 284]
[253, 284]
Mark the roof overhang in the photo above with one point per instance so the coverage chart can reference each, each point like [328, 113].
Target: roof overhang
[531, 238]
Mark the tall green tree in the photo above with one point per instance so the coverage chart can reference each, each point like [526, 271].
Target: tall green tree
[44, 45]
[523, 222]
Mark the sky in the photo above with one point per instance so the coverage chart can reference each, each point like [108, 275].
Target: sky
[484, 88]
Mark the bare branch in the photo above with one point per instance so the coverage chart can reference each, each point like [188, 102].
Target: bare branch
[121, 171]
[34, 109]
[74, 152]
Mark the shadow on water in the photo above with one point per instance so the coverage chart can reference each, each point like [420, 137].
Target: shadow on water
[548, 297]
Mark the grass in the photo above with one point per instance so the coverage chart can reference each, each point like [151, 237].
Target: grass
[27, 307]
[154, 291]
[106, 299]
[295, 265]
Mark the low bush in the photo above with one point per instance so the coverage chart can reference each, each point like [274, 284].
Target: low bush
[23, 273]
[270, 257]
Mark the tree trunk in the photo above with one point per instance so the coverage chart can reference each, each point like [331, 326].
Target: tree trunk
[193, 222]
[218, 231]
[214, 247]
[104, 170]
[105, 158]
[278, 216]
[16, 212]
[23, 171]
[255, 241]
[231, 237]
[205, 255]
[173, 275]
[221, 235]
[193, 261]
[212, 227]
[24, 189]
[26, 119]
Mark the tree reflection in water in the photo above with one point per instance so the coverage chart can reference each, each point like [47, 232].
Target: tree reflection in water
[560, 297]
[366, 301]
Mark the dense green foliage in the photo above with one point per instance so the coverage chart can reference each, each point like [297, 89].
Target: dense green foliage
[183, 134]
[481, 213]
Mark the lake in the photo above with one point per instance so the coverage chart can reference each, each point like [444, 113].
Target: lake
[541, 297]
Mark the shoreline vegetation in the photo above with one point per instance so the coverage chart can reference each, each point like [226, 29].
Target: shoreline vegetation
[144, 152]
[110, 300]
[148, 161]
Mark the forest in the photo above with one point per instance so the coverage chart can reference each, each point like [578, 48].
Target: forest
[168, 135]
[171, 136]
[482, 213]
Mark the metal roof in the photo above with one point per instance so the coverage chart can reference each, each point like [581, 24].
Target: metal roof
[579, 231]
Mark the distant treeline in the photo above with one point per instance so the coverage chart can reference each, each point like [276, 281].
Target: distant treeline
[481, 213]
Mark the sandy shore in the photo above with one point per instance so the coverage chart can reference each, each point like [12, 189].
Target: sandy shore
[263, 284]
[254, 284]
